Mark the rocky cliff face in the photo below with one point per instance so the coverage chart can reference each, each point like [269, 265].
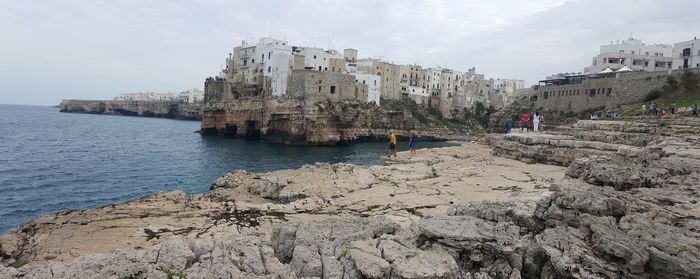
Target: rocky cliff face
[626, 207]
[298, 121]
[163, 109]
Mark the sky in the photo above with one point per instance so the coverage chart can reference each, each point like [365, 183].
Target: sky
[93, 49]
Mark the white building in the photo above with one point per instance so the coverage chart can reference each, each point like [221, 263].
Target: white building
[418, 94]
[634, 54]
[189, 96]
[276, 59]
[373, 82]
[686, 54]
[434, 77]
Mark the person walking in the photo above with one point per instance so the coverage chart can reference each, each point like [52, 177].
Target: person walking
[695, 110]
[536, 122]
[509, 124]
[392, 144]
[413, 143]
[524, 120]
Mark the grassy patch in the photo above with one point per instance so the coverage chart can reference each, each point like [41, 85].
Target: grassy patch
[427, 116]
[679, 250]
[171, 274]
[432, 174]
[343, 253]
[491, 203]
[683, 91]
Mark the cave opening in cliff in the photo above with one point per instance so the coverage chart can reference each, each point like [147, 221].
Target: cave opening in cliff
[252, 130]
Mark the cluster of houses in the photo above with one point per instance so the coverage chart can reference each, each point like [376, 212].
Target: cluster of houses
[274, 68]
[188, 96]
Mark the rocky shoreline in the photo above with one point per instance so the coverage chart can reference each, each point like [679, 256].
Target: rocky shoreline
[159, 109]
[598, 199]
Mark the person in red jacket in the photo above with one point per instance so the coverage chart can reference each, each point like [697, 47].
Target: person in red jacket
[524, 120]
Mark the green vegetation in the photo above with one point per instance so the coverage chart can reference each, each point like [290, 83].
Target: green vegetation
[491, 203]
[428, 116]
[171, 274]
[343, 253]
[679, 250]
[432, 174]
[683, 91]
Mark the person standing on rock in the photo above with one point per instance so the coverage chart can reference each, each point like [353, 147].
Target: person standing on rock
[413, 143]
[392, 144]
[536, 122]
[524, 119]
[509, 124]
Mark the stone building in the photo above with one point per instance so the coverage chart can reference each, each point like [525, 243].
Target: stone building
[316, 85]
[390, 86]
[634, 54]
[586, 92]
[686, 54]
[504, 91]
[213, 89]
[373, 83]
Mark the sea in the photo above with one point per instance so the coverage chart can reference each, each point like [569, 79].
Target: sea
[52, 161]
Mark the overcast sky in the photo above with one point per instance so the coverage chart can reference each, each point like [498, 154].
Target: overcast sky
[53, 49]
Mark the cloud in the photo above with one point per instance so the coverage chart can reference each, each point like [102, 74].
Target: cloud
[98, 49]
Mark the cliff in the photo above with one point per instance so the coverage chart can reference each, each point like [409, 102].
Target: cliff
[162, 109]
[597, 199]
[299, 121]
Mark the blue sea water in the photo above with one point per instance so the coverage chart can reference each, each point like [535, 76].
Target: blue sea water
[52, 161]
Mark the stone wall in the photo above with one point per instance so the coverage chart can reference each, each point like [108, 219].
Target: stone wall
[162, 109]
[608, 93]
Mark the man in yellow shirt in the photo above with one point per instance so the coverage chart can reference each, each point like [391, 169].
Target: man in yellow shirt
[392, 144]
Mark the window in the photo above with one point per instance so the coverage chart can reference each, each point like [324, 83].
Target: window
[686, 52]
[592, 93]
[332, 89]
[252, 60]
[326, 69]
[319, 89]
[319, 68]
[314, 56]
[269, 69]
[269, 54]
[607, 93]
[245, 62]
[633, 52]
[646, 63]
[375, 83]
[262, 58]
[546, 95]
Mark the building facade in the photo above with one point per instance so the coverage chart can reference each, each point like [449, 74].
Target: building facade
[686, 54]
[274, 68]
[634, 54]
